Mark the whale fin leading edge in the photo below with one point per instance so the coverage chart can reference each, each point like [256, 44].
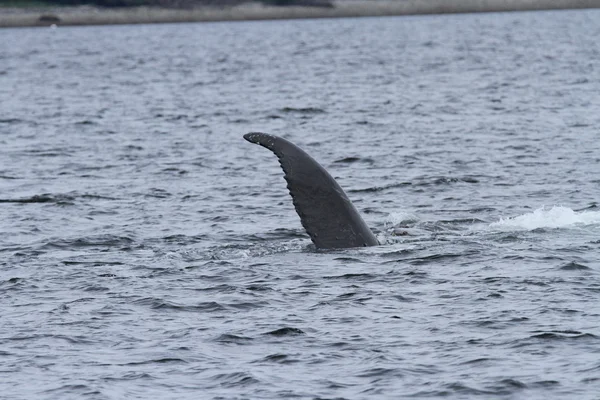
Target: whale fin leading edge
[325, 211]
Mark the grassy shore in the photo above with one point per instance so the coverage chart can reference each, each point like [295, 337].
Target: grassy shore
[38, 15]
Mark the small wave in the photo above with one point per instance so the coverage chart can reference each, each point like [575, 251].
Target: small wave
[555, 217]
[354, 277]
[90, 241]
[302, 110]
[70, 390]
[380, 372]
[350, 160]
[573, 266]
[554, 336]
[230, 338]
[379, 188]
[235, 379]
[563, 335]
[166, 360]
[41, 198]
[278, 358]
[10, 120]
[287, 331]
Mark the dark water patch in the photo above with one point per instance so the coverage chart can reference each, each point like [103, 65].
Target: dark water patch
[544, 384]
[12, 281]
[461, 388]
[94, 287]
[124, 242]
[459, 221]
[234, 380]
[352, 296]
[286, 331]
[92, 263]
[507, 386]
[351, 160]
[217, 264]
[348, 259]
[16, 284]
[403, 299]
[131, 147]
[70, 390]
[219, 218]
[379, 188]
[156, 193]
[477, 361]
[478, 210]
[278, 358]
[590, 380]
[131, 376]
[442, 180]
[536, 282]
[222, 288]
[554, 337]
[10, 120]
[573, 266]
[348, 160]
[234, 339]
[380, 372]
[427, 394]
[436, 258]
[180, 239]
[166, 360]
[43, 198]
[508, 237]
[416, 274]
[88, 196]
[353, 277]
[72, 340]
[247, 305]
[51, 153]
[279, 234]
[302, 110]
[174, 171]
[551, 258]
[592, 206]
[259, 288]
[85, 122]
[160, 304]
[592, 369]
[563, 335]
[8, 177]
[175, 117]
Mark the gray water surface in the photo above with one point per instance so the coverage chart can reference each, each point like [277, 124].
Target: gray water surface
[147, 251]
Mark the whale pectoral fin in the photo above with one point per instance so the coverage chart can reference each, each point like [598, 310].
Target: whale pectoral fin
[329, 217]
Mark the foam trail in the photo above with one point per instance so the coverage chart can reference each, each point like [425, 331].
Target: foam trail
[555, 217]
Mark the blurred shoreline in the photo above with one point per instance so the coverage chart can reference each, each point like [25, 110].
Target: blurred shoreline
[86, 15]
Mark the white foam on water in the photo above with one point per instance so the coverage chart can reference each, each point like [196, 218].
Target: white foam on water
[554, 217]
[400, 218]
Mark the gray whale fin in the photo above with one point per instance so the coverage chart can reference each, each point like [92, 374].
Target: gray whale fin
[329, 217]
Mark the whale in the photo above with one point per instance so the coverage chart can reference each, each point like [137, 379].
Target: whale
[325, 211]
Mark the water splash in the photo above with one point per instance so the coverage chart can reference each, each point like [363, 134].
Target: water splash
[555, 217]
[401, 218]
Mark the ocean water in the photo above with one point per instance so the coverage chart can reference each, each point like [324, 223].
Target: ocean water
[148, 252]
